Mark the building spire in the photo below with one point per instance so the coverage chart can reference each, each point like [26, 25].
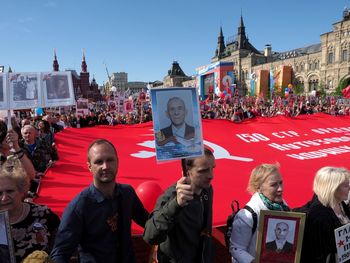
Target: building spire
[241, 36]
[83, 63]
[221, 45]
[55, 62]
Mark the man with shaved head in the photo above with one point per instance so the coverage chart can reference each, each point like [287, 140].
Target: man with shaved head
[280, 244]
[98, 220]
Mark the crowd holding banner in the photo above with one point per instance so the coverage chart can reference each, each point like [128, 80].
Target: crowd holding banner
[128, 110]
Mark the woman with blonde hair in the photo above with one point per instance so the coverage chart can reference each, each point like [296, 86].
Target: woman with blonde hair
[33, 226]
[327, 212]
[266, 186]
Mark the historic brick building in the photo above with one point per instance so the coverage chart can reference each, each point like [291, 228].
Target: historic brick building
[315, 67]
[81, 82]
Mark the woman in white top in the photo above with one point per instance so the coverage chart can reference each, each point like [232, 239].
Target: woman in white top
[266, 186]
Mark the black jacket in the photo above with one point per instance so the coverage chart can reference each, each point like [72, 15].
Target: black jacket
[189, 132]
[183, 233]
[319, 237]
[288, 247]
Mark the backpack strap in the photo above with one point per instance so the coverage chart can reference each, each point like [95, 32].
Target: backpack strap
[255, 217]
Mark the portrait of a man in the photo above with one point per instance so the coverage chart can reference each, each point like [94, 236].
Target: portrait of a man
[177, 123]
[280, 244]
[178, 130]
[57, 87]
[19, 88]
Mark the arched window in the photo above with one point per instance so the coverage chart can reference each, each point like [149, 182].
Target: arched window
[330, 58]
[329, 84]
[317, 65]
[344, 55]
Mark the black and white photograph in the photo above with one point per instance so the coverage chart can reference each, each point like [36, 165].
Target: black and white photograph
[6, 247]
[57, 88]
[280, 235]
[24, 90]
[177, 125]
[25, 87]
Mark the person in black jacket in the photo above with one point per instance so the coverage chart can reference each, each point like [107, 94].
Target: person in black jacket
[326, 213]
[181, 222]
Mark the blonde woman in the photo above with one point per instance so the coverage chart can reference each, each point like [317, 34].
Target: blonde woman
[266, 187]
[326, 213]
[32, 226]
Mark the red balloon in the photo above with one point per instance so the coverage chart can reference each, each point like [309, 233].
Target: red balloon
[148, 192]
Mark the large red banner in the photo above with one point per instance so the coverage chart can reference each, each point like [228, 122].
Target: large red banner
[301, 146]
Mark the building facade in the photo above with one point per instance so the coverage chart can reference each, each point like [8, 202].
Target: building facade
[81, 82]
[136, 86]
[175, 76]
[319, 66]
[119, 80]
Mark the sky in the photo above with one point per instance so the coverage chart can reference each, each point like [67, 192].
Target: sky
[143, 38]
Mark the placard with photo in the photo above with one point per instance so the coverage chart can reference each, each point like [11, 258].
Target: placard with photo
[82, 107]
[3, 92]
[6, 245]
[280, 236]
[57, 89]
[177, 123]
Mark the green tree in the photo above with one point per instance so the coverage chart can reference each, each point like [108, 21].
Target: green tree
[341, 85]
[322, 89]
[298, 89]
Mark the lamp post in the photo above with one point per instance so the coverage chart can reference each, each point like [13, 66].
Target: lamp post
[114, 91]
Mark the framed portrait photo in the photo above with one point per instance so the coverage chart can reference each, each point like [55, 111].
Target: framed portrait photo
[57, 89]
[6, 246]
[280, 236]
[177, 123]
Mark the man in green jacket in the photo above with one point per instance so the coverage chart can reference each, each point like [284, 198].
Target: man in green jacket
[181, 222]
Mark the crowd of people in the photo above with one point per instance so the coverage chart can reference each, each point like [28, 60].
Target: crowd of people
[96, 224]
[236, 109]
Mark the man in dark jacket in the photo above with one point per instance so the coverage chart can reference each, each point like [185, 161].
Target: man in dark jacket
[98, 220]
[181, 223]
[280, 244]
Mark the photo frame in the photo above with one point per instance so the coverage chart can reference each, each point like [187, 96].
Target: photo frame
[25, 90]
[6, 246]
[57, 89]
[82, 107]
[284, 228]
[177, 123]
